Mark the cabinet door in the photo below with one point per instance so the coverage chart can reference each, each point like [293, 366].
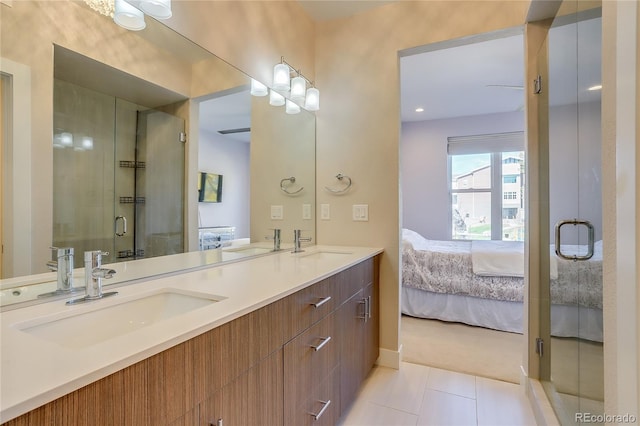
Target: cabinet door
[254, 398]
[351, 360]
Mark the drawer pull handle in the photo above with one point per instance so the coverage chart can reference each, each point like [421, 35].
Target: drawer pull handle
[322, 302]
[324, 342]
[321, 412]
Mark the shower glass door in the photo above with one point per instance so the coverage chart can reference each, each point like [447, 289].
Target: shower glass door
[576, 384]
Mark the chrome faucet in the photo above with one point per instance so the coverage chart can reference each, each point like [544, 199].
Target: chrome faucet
[94, 273]
[276, 239]
[297, 240]
[63, 265]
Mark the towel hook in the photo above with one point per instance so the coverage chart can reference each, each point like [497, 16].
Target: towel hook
[292, 180]
[341, 178]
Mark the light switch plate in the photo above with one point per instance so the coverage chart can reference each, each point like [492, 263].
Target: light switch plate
[325, 212]
[306, 211]
[277, 213]
[361, 212]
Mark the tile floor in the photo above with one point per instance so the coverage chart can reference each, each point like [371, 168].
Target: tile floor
[419, 395]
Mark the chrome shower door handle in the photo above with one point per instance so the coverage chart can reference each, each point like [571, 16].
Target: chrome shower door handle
[591, 239]
[124, 226]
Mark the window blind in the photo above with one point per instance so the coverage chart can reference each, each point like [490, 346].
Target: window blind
[479, 144]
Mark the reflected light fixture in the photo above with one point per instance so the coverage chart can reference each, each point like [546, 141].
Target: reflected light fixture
[87, 142]
[419, 109]
[275, 98]
[292, 107]
[159, 9]
[596, 87]
[258, 89]
[129, 17]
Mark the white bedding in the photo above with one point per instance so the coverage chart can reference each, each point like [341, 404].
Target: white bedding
[498, 258]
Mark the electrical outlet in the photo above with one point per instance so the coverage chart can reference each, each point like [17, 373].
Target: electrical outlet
[306, 211]
[277, 213]
[361, 212]
[325, 212]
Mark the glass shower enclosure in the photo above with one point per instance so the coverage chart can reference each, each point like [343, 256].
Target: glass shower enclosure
[118, 176]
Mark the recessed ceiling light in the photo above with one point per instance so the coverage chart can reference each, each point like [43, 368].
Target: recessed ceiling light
[596, 87]
[419, 109]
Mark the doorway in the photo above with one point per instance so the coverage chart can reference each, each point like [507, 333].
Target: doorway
[462, 184]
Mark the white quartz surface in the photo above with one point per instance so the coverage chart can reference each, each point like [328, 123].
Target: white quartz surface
[35, 370]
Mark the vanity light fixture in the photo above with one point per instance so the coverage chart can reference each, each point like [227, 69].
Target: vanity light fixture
[275, 98]
[291, 107]
[283, 82]
[129, 17]
[258, 89]
[281, 77]
[312, 101]
[298, 88]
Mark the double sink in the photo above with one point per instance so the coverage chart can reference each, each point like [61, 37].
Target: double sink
[107, 320]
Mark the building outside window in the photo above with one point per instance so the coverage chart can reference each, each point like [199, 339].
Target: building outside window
[487, 188]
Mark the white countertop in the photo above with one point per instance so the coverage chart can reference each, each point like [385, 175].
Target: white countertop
[35, 370]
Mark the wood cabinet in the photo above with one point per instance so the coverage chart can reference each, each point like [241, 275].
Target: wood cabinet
[297, 361]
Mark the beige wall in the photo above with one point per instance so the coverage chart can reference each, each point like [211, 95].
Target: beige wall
[621, 192]
[358, 127]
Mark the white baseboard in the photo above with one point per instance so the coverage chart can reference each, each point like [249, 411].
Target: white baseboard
[389, 358]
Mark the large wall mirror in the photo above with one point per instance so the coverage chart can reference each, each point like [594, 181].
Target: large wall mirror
[141, 144]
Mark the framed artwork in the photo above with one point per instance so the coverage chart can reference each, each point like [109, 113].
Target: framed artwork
[210, 188]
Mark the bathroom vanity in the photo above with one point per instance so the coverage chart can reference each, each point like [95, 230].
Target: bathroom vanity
[283, 339]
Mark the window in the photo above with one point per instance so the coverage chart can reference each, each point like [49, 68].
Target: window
[486, 178]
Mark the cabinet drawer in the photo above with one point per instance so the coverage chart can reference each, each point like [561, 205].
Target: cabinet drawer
[319, 407]
[310, 305]
[309, 358]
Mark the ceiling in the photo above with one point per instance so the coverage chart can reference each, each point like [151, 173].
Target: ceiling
[453, 79]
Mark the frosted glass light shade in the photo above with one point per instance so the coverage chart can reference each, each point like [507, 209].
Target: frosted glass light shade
[275, 98]
[281, 77]
[258, 89]
[159, 9]
[312, 101]
[292, 107]
[128, 16]
[298, 88]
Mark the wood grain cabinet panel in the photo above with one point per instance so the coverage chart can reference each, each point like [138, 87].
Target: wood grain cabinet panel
[259, 369]
[99, 403]
[254, 398]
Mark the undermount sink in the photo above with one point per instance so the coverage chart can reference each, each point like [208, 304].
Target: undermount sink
[324, 255]
[95, 326]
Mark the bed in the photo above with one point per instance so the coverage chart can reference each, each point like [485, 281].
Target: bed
[481, 283]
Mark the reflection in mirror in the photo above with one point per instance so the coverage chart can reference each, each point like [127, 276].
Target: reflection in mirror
[110, 141]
